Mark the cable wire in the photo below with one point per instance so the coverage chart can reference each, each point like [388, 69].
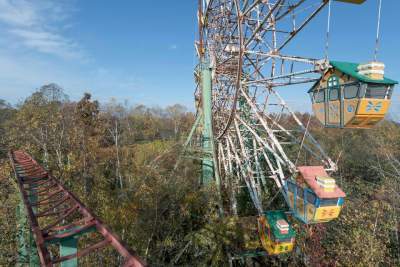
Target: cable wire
[377, 30]
[328, 27]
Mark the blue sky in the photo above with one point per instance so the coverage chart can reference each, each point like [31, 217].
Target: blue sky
[142, 51]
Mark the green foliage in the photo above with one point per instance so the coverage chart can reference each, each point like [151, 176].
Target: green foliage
[9, 200]
[6, 113]
[120, 161]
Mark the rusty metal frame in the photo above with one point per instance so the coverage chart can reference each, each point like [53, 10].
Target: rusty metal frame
[46, 199]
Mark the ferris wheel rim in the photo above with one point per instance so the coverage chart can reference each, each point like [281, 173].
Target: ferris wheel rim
[238, 74]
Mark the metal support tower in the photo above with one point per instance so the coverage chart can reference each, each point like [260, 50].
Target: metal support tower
[207, 138]
[204, 121]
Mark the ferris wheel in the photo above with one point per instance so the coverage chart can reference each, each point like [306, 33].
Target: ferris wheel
[248, 133]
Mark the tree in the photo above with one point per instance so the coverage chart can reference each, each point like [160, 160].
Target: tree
[114, 116]
[6, 113]
[85, 138]
[176, 113]
[38, 123]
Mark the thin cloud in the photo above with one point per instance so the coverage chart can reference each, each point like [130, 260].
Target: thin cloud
[173, 47]
[18, 13]
[47, 42]
[35, 25]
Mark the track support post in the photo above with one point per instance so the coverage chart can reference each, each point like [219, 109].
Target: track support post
[69, 246]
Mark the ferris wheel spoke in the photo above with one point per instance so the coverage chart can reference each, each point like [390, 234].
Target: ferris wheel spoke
[331, 165]
[223, 160]
[296, 139]
[306, 21]
[229, 156]
[273, 162]
[261, 24]
[279, 77]
[257, 156]
[251, 7]
[236, 160]
[290, 8]
[268, 130]
[248, 177]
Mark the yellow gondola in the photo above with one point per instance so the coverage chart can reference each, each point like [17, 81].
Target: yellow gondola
[313, 196]
[276, 234]
[351, 95]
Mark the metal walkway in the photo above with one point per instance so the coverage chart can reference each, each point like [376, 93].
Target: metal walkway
[58, 219]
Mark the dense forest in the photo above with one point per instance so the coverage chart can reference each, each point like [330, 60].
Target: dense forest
[119, 159]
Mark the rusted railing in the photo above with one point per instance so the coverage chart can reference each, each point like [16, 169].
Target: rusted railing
[58, 218]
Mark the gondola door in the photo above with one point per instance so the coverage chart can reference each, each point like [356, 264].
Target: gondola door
[333, 102]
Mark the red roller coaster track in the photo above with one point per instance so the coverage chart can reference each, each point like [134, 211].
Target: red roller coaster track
[55, 214]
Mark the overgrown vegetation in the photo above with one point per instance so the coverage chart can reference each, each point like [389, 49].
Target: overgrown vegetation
[120, 161]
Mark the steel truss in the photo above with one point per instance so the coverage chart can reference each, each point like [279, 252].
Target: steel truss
[257, 136]
[58, 218]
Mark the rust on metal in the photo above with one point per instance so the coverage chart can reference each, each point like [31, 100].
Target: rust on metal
[55, 214]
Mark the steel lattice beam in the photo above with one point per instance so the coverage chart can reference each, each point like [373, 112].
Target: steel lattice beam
[257, 135]
[56, 216]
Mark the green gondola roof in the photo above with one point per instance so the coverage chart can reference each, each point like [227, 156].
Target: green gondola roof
[351, 69]
[272, 217]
